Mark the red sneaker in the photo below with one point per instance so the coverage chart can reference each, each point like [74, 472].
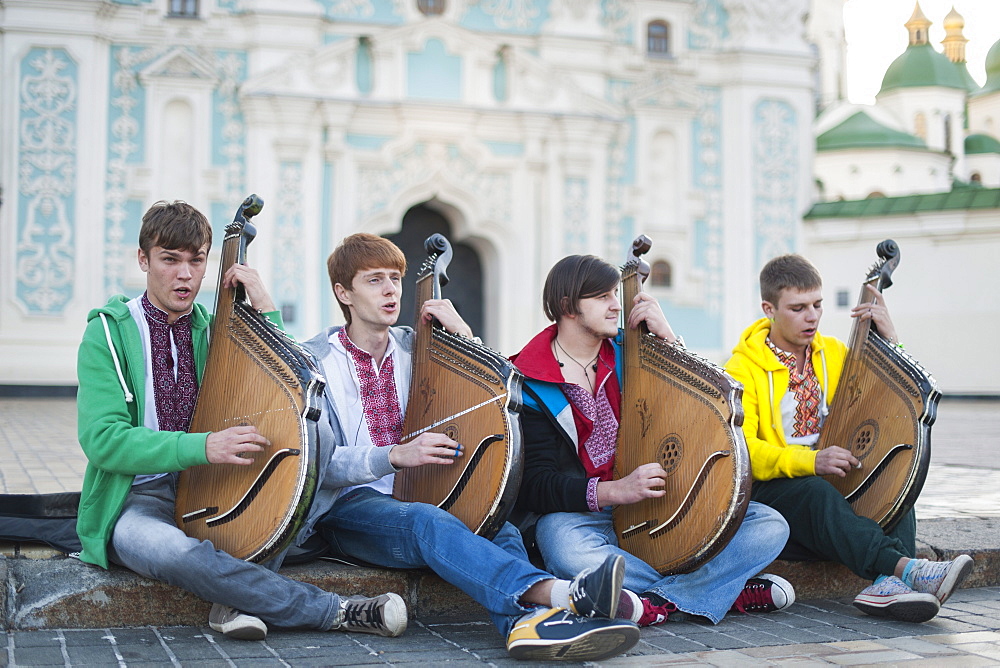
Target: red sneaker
[653, 614]
[765, 593]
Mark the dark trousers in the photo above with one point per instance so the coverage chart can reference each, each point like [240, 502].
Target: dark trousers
[823, 526]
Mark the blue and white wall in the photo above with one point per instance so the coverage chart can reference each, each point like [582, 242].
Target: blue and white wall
[537, 127]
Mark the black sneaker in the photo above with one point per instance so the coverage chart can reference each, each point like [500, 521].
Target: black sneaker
[595, 593]
[764, 593]
[232, 623]
[383, 615]
[556, 634]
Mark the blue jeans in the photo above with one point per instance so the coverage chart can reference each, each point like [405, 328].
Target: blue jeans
[570, 542]
[368, 525]
[147, 541]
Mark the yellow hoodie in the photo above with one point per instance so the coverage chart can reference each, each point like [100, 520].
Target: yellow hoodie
[763, 375]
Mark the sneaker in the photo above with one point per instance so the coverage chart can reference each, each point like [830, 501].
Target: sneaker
[939, 578]
[556, 634]
[629, 606]
[383, 615]
[764, 593]
[653, 614]
[889, 597]
[232, 623]
[596, 592]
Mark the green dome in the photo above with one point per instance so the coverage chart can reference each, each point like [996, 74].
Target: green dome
[862, 131]
[921, 65]
[970, 84]
[992, 70]
[981, 144]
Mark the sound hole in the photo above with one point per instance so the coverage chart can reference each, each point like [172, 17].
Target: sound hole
[451, 431]
[669, 453]
[864, 439]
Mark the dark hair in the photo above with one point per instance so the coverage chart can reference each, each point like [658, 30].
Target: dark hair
[175, 226]
[787, 271]
[359, 252]
[574, 278]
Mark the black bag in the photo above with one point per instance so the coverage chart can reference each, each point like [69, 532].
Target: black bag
[41, 518]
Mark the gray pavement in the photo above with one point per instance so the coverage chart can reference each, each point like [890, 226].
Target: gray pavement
[39, 454]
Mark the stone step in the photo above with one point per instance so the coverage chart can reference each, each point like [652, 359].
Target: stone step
[48, 590]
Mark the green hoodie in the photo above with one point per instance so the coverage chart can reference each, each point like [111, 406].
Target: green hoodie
[765, 382]
[110, 409]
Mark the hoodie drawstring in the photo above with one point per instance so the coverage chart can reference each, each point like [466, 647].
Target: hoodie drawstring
[114, 356]
[770, 394]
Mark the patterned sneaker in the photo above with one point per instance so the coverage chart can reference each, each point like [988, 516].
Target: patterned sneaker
[596, 592]
[653, 614]
[889, 597]
[939, 578]
[232, 623]
[556, 634]
[764, 593]
[383, 615]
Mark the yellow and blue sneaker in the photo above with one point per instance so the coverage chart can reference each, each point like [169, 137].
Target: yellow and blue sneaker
[556, 634]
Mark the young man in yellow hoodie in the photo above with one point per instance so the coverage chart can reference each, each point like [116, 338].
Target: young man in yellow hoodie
[790, 373]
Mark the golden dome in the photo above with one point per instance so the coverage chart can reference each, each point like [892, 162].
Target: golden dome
[953, 21]
[918, 25]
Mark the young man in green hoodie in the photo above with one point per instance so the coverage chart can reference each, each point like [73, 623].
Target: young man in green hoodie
[790, 373]
[139, 367]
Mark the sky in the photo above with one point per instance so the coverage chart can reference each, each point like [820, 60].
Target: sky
[876, 36]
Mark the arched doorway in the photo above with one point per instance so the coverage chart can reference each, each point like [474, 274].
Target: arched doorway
[465, 287]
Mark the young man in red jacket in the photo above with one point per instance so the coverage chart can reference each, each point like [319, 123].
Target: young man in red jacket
[572, 397]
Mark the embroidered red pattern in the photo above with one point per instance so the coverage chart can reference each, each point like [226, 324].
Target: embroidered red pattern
[378, 394]
[175, 395]
[806, 389]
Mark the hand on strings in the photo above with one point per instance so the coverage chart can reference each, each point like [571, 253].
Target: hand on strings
[235, 445]
[878, 313]
[645, 482]
[241, 274]
[444, 312]
[646, 309]
[427, 448]
[835, 460]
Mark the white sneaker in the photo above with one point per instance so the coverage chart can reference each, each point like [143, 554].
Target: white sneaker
[232, 623]
[383, 615]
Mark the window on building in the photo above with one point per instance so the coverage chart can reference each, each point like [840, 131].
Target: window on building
[947, 134]
[183, 8]
[842, 298]
[661, 274]
[875, 194]
[976, 177]
[920, 126]
[431, 7]
[658, 38]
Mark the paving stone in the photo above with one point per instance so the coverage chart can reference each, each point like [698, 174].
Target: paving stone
[989, 650]
[675, 644]
[866, 658]
[97, 655]
[920, 646]
[38, 656]
[958, 661]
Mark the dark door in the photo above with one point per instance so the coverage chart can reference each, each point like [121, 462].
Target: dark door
[465, 287]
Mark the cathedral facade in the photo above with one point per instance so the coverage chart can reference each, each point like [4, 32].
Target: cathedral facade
[524, 130]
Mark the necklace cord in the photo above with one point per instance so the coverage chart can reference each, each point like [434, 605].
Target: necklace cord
[592, 363]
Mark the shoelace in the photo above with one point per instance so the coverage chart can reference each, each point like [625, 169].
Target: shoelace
[365, 614]
[755, 597]
[926, 573]
[577, 592]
